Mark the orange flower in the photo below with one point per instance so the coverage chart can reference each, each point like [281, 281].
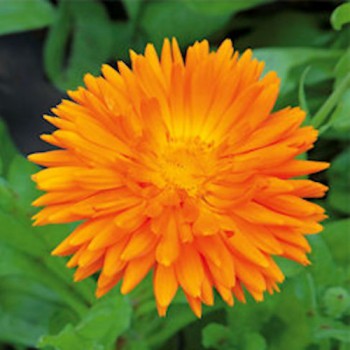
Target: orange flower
[181, 167]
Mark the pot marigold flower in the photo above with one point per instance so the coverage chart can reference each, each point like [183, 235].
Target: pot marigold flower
[181, 167]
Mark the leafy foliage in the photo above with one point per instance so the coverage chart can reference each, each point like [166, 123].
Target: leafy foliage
[99, 328]
[17, 16]
[340, 16]
[88, 25]
[39, 304]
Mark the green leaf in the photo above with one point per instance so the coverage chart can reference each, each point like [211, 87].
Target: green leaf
[7, 198]
[26, 308]
[18, 16]
[250, 316]
[332, 134]
[20, 236]
[107, 319]
[89, 26]
[34, 286]
[173, 19]
[339, 120]
[20, 171]
[56, 41]
[26, 248]
[339, 177]
[342, 334]
[136, 344]
[257, 29]
[34, 243]
[293, 320]
[98, 330]
[343, 66]
[15, 262]
[132, 8]
[254, 341]
[122, 34]
[25, 254]
[28, 254]
[289, 268]
[68, 339]
[336, 234]
[157, 330]
[7, 150]
[340, 16]
[222, 7]
[287, 61]
[60, 319]
[26, 285]
[336, 301]
[323, 268]
[217, 336]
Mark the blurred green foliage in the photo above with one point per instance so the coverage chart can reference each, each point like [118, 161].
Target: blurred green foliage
[17, 16]
[39, 304]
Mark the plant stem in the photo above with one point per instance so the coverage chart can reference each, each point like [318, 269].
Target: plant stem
[301, 93]
[320, 117]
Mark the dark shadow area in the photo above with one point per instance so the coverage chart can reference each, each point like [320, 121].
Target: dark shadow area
[25, 92]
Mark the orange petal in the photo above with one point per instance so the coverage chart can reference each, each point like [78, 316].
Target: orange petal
[141, 242]
[189, 270]
[86, 271]
[135, 271]
[195, 304]
[241, 245]
[165, 284]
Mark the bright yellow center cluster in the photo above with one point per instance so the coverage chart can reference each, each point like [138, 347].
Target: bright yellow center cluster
[184, 165]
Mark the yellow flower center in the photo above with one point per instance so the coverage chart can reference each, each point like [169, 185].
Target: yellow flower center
[185, 164]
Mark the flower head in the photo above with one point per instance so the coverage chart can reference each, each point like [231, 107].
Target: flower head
[181, 167]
